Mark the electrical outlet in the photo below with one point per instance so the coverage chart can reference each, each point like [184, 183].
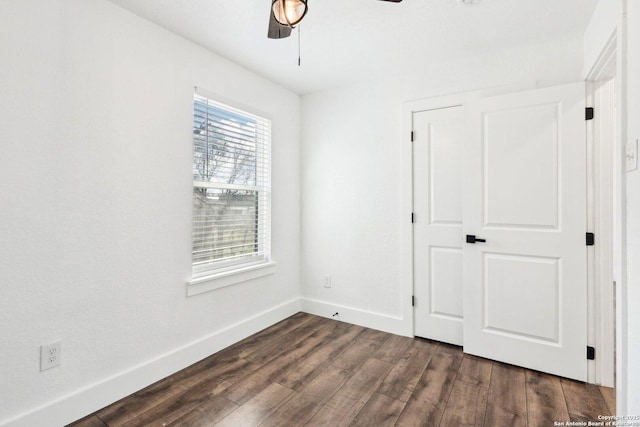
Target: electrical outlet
[632, 156]
[50, 355]
[327, 281]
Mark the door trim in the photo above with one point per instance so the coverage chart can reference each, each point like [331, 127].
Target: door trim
[600, 220]
[606, 71]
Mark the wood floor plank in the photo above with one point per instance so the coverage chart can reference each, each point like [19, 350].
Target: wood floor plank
[475, 370]
[270, 372]
[584, 401]
[380, 411]
[258, 408]
[455, 350]
[90, 421]
[345, 404]
[259, 340]
[404, 376]
[360, 350]
[317, 361]
[429, 398]
[609, 395]
[251, 385]
[168, 410]
[507, 402]
[393, 348]
[466, 406]
[135, 404]
[248, 345]
[207, 414]
[303, 405]
[217, 376]
[177, 405]
[279, 344]
[545, 400]
[327, 383]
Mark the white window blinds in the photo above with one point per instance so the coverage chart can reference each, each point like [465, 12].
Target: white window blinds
[231, 187]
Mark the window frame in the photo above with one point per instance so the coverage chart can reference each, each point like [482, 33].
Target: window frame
[225, 272]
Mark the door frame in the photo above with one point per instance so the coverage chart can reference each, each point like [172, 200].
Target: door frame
[600, 311]
[606, 92]
[600, 220]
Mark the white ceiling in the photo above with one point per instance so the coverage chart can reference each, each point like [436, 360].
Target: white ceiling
[344, 40]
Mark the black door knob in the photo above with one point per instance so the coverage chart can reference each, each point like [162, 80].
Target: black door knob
[471, 238]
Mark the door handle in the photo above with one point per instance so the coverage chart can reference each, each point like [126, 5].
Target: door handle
[471, 238]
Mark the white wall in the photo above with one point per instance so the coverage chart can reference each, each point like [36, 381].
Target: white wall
[604, 22]
[95, 184]
[633, 211]
[350, 202]
[352, 176]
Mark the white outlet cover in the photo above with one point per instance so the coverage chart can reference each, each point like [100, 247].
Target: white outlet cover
[50, 355]
[327, 281]
[632, 155]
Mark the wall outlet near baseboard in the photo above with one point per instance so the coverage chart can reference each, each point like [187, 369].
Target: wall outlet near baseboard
[327, 281]
[50, 355]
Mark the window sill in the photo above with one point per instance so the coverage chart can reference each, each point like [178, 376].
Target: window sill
[199, 285]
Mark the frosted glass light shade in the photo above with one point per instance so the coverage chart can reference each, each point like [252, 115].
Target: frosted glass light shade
[289, 12]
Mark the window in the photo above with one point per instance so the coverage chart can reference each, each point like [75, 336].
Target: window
[231, 189]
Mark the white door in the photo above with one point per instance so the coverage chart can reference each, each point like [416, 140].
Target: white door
[437, 228]
[525, 288]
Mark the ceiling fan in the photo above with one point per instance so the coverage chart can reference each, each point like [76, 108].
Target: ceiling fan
[286, 14]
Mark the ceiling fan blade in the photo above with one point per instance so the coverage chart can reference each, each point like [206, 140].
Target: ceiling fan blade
[276, 30]
[394, 1]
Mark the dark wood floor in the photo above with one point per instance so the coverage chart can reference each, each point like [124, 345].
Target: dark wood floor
[307, 370]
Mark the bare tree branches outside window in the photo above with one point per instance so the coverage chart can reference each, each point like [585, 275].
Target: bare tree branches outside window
[230, 170]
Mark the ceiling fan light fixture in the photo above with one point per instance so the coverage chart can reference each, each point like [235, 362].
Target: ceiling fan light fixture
[289, 12]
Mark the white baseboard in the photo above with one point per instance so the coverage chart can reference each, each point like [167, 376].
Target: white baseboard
[88, 400]
[368, 319]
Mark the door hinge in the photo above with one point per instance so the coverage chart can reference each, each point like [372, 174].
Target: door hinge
[413, 217]
[591, 353]
[591, 239]
[411, 136]
[413, 300]
[588, 113]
